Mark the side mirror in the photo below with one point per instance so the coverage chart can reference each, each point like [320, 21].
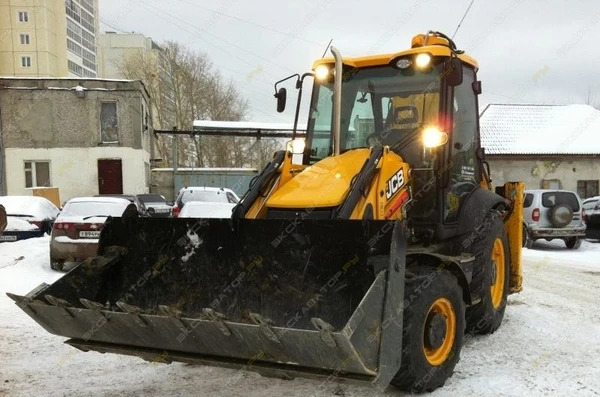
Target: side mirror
[453, 72]
[170, 203]
[281, 99]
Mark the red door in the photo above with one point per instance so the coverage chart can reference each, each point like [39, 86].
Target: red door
[110, 177]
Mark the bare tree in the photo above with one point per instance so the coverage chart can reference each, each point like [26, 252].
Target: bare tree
[184, 86]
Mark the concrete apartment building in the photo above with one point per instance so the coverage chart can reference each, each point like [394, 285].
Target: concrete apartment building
[83, 136]
[48, 38]
[114, 48]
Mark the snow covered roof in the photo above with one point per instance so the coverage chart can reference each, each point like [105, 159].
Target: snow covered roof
[540, 129]
[66, 78]
[245, 125]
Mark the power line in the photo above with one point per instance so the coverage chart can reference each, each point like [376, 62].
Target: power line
[218, 38]
[113, 26]
[221, 49]
[251, 23]
[463, 18]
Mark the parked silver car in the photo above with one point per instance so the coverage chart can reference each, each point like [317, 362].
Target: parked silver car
[553, 214]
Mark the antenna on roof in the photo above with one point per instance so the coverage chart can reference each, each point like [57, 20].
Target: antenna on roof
[463, 18]
[326, 48]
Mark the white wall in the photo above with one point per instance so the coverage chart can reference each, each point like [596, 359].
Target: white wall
[75, 170]
[568, 170]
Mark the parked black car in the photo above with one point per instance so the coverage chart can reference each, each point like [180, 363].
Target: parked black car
[27, 217]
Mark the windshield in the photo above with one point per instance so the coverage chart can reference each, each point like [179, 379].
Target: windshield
[213, 196]
[151, 198]
[380, 105]
[89, 208]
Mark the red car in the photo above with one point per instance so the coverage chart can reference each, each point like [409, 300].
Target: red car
[77, 229]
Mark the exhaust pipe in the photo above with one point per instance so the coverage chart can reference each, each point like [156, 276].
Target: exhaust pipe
[337, 100]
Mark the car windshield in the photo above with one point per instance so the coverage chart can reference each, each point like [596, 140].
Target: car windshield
[92, 208]
[211, 196]
[152, 199]
[383, 105]
[550, 199]
[207, 210]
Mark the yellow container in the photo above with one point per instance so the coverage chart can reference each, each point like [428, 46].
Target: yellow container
[51, 193]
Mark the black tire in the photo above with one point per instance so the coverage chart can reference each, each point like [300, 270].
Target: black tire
[527, 240]
[57, 265]
[424, 287]
[573, 243]
[483, 317]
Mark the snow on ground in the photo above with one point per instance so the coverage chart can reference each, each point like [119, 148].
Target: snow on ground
[548, 344]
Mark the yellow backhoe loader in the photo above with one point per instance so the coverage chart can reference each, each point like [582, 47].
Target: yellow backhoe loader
[364, 252]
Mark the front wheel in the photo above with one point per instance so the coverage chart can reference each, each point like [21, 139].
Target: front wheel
[573, 242]
[434, 324]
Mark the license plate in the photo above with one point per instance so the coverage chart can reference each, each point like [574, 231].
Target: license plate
[8, 238]
[89, 233]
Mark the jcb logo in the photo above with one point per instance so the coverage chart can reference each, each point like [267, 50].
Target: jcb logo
[394, 183]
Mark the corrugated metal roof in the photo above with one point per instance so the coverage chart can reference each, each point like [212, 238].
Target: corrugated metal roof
[540, 129]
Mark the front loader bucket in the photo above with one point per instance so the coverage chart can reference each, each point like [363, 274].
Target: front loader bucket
[282, 297]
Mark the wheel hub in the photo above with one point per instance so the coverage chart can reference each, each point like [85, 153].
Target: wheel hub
[494, 272]
[435, 330]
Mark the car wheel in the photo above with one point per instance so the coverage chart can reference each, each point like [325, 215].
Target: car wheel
[57, 265]
[527, 240]
[573, 243]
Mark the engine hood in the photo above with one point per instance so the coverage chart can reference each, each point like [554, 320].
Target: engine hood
[323, 184]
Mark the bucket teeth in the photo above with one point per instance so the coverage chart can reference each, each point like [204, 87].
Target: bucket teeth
[265, 326]
[58, 302]
[130, 309]
[325, 330]
[134, 311]
[174, 314]
[217, 318]
[94, 306]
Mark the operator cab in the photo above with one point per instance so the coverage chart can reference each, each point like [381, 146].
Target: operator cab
[422, 103]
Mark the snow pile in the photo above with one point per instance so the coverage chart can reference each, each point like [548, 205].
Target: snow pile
[546, 346]
[18, 224]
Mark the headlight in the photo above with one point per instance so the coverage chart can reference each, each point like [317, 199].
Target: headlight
[423, 60]
[322, 72]
[296, 146]
[403, 63]
[433, 137]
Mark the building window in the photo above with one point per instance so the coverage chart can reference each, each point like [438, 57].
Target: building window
[26, 62]
[551, 184]
[24, 38]
[23, 16]
[75, 68]
[108, 122]
[587, 189]
[37, 174]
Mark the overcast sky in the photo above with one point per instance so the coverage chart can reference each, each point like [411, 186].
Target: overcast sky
[529, 51]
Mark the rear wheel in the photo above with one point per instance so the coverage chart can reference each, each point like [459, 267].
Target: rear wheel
[434, 324]
[573, 242]
[57, 265]
[491, 278]
[527, 240]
